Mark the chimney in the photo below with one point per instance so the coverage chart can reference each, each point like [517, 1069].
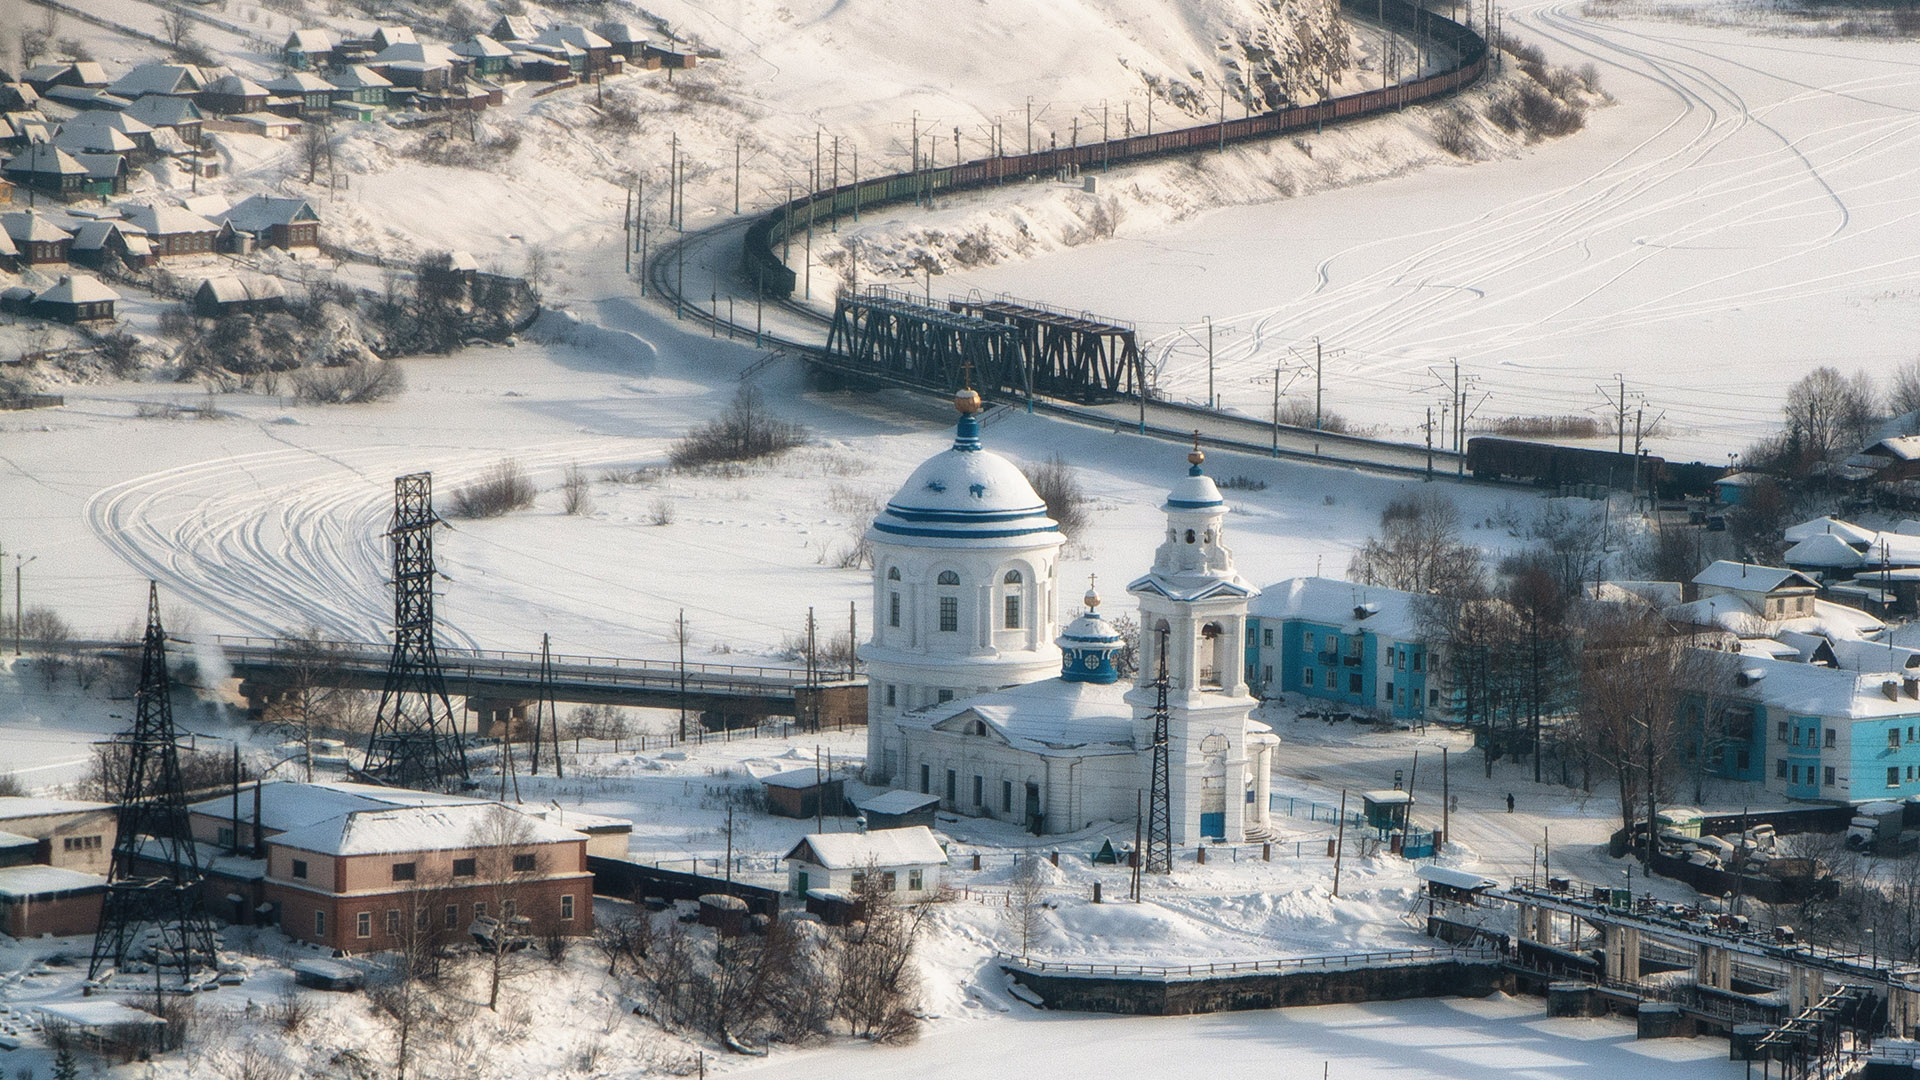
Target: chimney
[1891, 688]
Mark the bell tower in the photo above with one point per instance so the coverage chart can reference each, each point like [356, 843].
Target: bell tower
[1219, 756]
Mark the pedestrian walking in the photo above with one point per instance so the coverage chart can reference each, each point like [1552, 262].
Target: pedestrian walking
[1509, 802]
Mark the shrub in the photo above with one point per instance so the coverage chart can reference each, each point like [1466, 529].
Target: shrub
[1299, 413]
[1059, 487]
[357, 383]
[744, 432]
[1453, 132]
[504, 488]
[577, 500]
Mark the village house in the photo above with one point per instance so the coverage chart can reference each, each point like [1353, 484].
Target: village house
[593, 49]
[137, 131]
[908, 861]
[231, 94]
[420, 66]
[75, 299]
[102, 240]
[658, 56]
[308, 50]
[9, 254]
[85, 99]
[106, 174]
[1356, 646]
[173, 230]
[83, 73]
[274, 222]
[624, 39]
[233, 294]
[513, 28]
[92, 139]
[485, 57]
[303, 92]
[170, 80]
[47, 169]
[361, 85]
[178, 114]
[38, 238]
[363, 881]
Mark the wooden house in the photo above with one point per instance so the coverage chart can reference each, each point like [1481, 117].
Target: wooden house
[169, 80]
[46, 168]
[360, 85]
[805, 793]
[137, 131]
[513, 28]
[668, 58]
[593, 49]
[308, 50]
[106, 174]
[37, 240]
[178, 114]
[275, 222]
[86, 99]
[76, 298]
[306, 92]
[93, 139]
[84, 74]
[101, 241]
[898, 810]
[174, 230]
[386, 37]
[232, 94]
[485, 57]
[9, 254]
[909, 862]
[624, 39]
[218, 297]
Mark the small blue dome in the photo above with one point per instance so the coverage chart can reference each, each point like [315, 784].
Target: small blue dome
[1088, 647]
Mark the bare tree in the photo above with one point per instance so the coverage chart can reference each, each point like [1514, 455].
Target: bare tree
[877, 988]
[1637, 670]
[1829, 414]
[177, 27]
[1539, 603]
[315, 148]
[1903, 389]
[312, 700]
[1419, 548]
[1027, 901]
[504, 859]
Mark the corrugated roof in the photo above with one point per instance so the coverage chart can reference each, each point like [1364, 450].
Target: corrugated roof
[1751, 577]
[413, 828]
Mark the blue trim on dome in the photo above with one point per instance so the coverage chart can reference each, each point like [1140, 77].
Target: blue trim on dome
[1182, 504]
[910, 513]
[964, 534]
[967, 435]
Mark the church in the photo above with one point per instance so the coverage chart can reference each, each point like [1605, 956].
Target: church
[972, 697]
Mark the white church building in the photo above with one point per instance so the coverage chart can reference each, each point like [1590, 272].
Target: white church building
[972, 698]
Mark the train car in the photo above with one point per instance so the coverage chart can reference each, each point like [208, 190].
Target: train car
[1687, 480]
[1546, 465]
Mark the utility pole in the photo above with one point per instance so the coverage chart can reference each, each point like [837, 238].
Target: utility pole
[1428, 426]
[736, 174]
[1029, 124]
[833, 206]
[1223, 118]
[626, 226]
[18, 563]
[1319, 379]
[1276, 412]
[1339, 842]
[673, 170]
[682, 626]
[1210, 401]
[1446, 800]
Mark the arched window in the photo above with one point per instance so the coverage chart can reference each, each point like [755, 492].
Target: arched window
[893, 573]
[948, 577]
[1013, 577]
[1013, 580]
[1189, 536]
[949, 605]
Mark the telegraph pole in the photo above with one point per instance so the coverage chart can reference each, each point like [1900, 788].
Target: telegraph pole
[682, 625]
[736, 174]
[1319, 380]
[1210, 401]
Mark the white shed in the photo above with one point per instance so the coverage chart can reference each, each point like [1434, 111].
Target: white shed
[908, 860]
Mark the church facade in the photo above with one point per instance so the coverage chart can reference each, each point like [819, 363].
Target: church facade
[973, 699]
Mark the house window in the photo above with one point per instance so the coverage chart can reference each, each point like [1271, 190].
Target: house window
[1433, 698]
[1399, 660]
[1783, 731]
[1266, 637]
[893, 573]
[1893, 738]
[1832, 735]
[916, 880]
[300, 869]
[858, 879]
[1829, 776]
[463, 868]
[1389, 694]
[1306, 679]
[393, 922]
[420, 919]
[319, 923]
[453, 916]
[1796, 774]
[1308, 639]
[926, 782]
[363, 924]
[949, 614]
[944, 696]
[1796, 737]
[1742, 760]
[566, 906]
[523, 864]
[1893, 776]
[1419, 661]
[1332, 682]
[1780, 768]
[893, 609]
[1013, 611]
[403, 871]
[953, 787]
[892, 696]
[1354, 683]
[1266, 675]
[979, 790]
[948, 577]
[889, 881]
[1006, 801]
[225, 839]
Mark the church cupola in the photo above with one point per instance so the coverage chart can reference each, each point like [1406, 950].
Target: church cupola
[1089, 645]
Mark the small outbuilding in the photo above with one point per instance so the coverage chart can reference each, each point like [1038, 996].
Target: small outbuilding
[76, 299]
[235, 294]
[898, 809]
[909, 862]
[1387, 810]
[36, 900]
[799, 793]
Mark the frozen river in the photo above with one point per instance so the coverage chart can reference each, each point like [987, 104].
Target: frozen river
[1745, 211]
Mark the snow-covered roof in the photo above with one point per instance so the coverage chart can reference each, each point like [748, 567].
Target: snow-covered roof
[234, 288]
[964, 494]
[236, 86]
[394, 35]
[1459, 879]
[1657, 593]
[164, 220]
[517, 27]
[1743, 479]
[161, 110]
[413, 52]
[411, 828]
[93, 235]
[286, 805]
[158, 79]
[1333, 602]
[895, 803]
[913, 846]
[1733, 614]
[577, 36]
[1824, 526]
[1389, 797]
[359, 76]
[621, 33]
[482, 47]
[798, 778]
[102, 166]
[118, 121]
[1898, 448]
[578, 820]
[85, 97]
[298, 82]
[15, 840]
[310, 41]
[1824, 550]
[1778, 650]
[43, 158]
[28, 227]
[1750, 577]
[256, 213]
[96, 1013]
[1048, 717]
[77, 289]
[95, 138]
[1818, 690]
[22, 882]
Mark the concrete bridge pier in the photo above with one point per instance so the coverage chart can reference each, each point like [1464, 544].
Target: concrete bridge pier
[1714, 967]
[1623, 952]
[260, 697]
[1903, 1010]
[499, 718]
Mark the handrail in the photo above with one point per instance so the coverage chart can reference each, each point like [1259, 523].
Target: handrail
[351, 651]
[1328, 962]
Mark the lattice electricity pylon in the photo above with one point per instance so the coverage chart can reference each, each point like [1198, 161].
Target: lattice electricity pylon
[545, 712]
[153, 879]
[1160, 793]
[414, 741]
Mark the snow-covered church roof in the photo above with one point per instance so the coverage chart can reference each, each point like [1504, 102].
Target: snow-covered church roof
[1052, 716]
[965, 494]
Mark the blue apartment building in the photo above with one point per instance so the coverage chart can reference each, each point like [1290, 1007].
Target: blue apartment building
[1356, 647]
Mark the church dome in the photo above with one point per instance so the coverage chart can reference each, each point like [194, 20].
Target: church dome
[1196, 490]
[1089, 645]
[965, 493]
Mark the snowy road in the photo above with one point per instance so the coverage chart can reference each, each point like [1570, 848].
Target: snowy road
[1747, 206]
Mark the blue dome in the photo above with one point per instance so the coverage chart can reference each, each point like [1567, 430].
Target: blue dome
[1088, 647]
[966, 493]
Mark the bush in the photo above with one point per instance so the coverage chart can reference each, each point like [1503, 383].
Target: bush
[1299, 413]
[1453, 132]
[1558, 427]
[505, 488]
[357, 383]
[744, 432]
[1057, 485]
[574, 492]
